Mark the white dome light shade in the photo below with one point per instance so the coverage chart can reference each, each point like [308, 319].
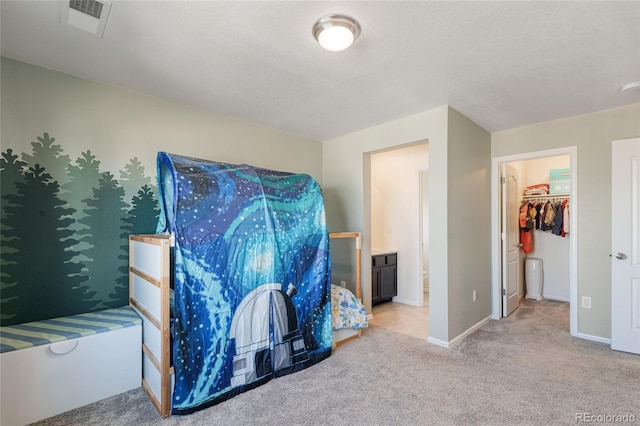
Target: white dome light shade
[335, 38]
[336, 32]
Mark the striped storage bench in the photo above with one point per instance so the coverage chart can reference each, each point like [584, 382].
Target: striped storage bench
[52, 366]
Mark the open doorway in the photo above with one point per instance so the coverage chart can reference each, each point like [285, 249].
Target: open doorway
[398, 200]
[552, 251]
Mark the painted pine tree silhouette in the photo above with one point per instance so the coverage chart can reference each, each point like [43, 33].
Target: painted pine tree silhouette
[142, 219]
[50, 157]
[132, 178]
[83, 176]
[39, 261]
[11, 172]
[10, 176]
[105, 212]
[143, 216]
[83, 217]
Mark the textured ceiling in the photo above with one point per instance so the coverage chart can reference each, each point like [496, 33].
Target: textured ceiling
[502, 64]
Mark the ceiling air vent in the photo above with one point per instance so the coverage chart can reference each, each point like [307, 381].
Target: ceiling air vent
[88, 15]
[88, 7]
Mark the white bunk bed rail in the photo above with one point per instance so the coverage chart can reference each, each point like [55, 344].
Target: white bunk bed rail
[149, 285]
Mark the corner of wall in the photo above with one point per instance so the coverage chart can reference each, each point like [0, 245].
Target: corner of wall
[469, 215]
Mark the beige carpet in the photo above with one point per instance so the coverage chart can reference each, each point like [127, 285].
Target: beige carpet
[525, 369]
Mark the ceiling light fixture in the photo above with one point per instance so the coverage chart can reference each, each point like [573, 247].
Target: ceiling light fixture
[336, 32]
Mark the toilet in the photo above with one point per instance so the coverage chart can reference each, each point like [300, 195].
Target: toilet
[533, 278]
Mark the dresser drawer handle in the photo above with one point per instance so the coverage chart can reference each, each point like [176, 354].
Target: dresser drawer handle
[62, 348]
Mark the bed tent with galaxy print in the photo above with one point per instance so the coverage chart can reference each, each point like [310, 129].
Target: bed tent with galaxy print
[251, 276]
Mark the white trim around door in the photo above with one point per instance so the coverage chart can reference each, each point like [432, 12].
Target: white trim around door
[496, 272]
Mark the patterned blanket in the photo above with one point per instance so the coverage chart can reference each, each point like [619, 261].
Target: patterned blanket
[346, 310]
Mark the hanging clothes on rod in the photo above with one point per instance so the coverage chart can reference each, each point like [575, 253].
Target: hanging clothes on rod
[556, 226]
[550, 213]
[526, 221]
[565, 218]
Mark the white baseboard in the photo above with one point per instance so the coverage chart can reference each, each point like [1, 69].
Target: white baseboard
[438, 342]
[559, 299]
[594, 338]
[404, 301]
[451, 343]
[468, 331]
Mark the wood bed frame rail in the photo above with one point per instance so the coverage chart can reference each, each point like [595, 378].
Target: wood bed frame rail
[354, 334]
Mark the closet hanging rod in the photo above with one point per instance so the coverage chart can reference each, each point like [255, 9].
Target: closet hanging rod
[545, 197]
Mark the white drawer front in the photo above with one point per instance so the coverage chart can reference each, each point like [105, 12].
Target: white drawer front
[46, 380]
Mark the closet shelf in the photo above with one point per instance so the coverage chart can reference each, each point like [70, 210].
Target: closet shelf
[545, 197]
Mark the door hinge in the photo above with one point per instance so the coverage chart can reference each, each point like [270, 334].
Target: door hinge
[504, 292]
[503, 179]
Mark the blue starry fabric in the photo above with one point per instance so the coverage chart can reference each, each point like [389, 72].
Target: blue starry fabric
[251, 284]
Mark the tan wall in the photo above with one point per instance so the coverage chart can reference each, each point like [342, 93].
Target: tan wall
[459, 170]
[95, 146]
[469, 215]
[592, 135]
[346, 185]
[118, 124]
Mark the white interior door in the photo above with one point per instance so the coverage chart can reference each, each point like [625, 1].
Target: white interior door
[510, 240]
[625, 243]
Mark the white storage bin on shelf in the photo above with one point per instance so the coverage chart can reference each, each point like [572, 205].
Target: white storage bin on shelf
[559, 181]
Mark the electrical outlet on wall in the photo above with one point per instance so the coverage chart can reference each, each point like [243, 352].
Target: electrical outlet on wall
[586, 302]
[343, 283]
[475, 295]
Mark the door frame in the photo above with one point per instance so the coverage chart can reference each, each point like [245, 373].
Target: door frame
[496, 270]
[368, 172]
[422, 226]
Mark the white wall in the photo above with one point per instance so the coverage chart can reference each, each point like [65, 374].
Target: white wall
[395, 213]
[117, 124]
[537, 170]
[592, 135]
[554, 252]
[379, 209]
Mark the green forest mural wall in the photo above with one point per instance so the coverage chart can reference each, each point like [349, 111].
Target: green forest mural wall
[64, 231]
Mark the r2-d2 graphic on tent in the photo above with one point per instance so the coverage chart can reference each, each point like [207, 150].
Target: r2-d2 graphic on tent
[267, 338]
